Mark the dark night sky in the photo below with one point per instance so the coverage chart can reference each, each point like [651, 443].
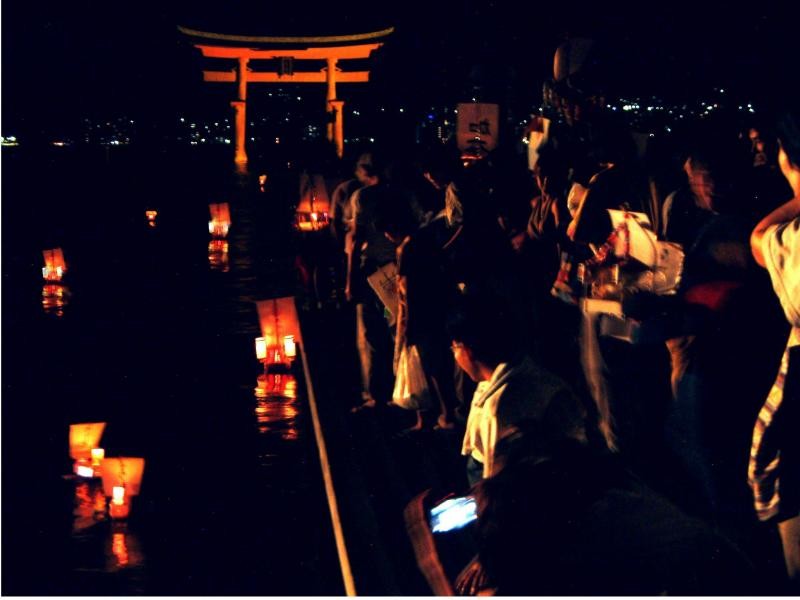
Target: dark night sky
[64, 60]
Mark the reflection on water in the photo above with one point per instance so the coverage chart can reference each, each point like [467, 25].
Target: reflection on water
[218, 256]
[276, 406]
[90, 505]
[54, 298]
[123, 551]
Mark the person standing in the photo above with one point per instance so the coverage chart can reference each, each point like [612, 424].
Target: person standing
[774, 470]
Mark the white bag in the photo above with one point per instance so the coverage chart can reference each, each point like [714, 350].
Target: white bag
[410, 385]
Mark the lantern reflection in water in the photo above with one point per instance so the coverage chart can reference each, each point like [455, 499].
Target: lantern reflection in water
[220, 219]
[122, 549]
[276, 409]
[218, 256]
[54, 298]
[54, 264]
[89, 505]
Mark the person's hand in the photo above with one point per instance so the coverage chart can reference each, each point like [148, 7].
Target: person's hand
[472, 579]
[518, 241]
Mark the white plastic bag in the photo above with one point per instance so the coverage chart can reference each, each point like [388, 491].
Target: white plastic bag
[410, 385]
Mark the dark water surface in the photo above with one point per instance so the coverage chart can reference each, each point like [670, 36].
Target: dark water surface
[158, 342]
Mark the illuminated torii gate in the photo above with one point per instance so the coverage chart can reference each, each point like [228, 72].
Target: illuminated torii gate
[291, 49]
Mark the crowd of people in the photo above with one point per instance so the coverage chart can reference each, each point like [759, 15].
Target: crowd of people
[601, 465]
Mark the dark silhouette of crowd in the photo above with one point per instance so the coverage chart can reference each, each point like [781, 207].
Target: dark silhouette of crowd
[639, 444]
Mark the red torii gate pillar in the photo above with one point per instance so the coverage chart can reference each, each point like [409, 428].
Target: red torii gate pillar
[240, 112]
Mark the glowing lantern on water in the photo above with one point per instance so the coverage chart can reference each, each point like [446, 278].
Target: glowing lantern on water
[220, 219]
[280, 328]
[151, 217]
[314, 207]
[84, 438]
[122, 479]
[54, 264]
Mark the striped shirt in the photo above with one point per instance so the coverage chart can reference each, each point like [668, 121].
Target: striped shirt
[781, 245]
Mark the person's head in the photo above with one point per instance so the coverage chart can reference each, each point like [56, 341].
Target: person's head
[440, 166]
[716, 167]
[526, 513]
[483, 334]
[788, 132]
[366, 170]
[394, 217]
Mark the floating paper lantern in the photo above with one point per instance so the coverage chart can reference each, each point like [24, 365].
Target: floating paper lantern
[54, 264]
[220, 219]
[151, 217]
[125, 472]
[83, 437]
[313, 209]
[280, 327]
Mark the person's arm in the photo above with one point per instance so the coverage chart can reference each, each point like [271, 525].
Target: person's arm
[785, 212]
[352, 246]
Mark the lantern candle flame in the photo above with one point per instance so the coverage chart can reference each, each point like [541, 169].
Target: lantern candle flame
[118, 495]
[84, 471]
[289, 346]
[261, 348]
